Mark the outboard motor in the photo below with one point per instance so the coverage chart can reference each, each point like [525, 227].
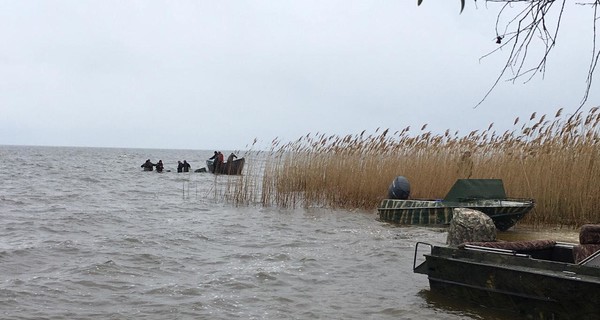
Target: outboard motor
[399, 189]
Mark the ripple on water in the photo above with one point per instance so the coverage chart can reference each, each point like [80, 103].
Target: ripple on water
[263, 276]
[278, 257]
[7, 201]
[107, 267]
[174, 290]
[110, 242]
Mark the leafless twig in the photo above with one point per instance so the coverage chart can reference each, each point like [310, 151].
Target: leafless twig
[535, 22]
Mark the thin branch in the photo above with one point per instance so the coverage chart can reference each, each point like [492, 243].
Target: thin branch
[521, 31]
[594, 61]
[530, 23]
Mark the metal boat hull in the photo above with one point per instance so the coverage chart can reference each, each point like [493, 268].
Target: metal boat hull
[536, 288]
[234, 167]
[504, 213]
[485, 195]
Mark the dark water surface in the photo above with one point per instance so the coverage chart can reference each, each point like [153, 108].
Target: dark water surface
[85, 234]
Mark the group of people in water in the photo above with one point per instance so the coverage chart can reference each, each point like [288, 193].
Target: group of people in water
[186, 167]
[181, 166]
[149, 166]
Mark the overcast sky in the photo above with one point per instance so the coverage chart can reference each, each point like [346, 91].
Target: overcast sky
[218, 74]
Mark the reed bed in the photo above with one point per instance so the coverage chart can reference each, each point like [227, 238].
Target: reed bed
[244, 189]
[553, 161]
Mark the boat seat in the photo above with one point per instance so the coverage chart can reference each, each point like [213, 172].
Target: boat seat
[582, 251]
[589, 234]
[589, 242]
[519, 246]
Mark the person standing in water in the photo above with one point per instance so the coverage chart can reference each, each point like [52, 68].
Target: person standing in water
[230, 158]
[219, 162]
[148, 165]
[159, 166]
[215, 159]
[186, 166]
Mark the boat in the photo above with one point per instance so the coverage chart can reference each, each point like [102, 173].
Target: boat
[234, 167]
[537, 279]
[485, 195]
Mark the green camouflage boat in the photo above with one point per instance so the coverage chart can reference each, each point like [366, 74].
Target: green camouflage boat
[485, 195]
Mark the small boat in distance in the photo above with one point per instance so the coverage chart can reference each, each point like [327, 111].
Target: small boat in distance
[234, 167]
[485, 195]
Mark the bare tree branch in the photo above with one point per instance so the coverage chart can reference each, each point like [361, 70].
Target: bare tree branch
[593, 62]
[538, 21]
[520, 32]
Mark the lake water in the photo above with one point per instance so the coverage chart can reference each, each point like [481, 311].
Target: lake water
[86, 234]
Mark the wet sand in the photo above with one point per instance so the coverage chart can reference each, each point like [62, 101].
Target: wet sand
[525, 232]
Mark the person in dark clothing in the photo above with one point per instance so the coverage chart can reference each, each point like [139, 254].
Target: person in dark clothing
[219, 162]
[159, 166]
[215, 159]
[179, 166]
[229, 164]
[230, 158]
[186, 166]
[148, 165]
